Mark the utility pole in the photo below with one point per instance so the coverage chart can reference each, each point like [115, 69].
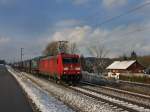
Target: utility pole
[21, 53]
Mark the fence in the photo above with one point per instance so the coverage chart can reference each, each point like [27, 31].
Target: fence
[96, 79]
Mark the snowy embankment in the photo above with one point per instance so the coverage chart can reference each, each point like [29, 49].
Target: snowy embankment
[40, 89]
[77, 100]
[42, 99]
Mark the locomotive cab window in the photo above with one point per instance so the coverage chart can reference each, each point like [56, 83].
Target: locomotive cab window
[70, 60]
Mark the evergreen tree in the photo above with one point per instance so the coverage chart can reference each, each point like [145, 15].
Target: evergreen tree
[133, 55]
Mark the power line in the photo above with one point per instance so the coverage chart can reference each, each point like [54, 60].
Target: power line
[137, 30]
[131, 32]
[126, 13]
[123, 14]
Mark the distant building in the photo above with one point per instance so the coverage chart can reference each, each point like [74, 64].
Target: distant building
[2, 62]
[118, 67]
[147, 70]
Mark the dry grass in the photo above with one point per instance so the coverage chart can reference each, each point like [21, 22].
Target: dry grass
[140, 79]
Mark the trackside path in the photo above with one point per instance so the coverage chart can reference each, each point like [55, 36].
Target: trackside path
[12, 98]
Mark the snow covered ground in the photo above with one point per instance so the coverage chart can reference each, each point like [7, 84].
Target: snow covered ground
[41, 92]
[43, 100]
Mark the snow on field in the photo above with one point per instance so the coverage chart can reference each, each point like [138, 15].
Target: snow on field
[43, 100]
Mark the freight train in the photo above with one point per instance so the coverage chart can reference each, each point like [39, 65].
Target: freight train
[62, 67]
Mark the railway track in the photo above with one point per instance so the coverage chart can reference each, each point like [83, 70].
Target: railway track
[120, 104]
[136, 87]
[135, 83]
[118, 101]
[105, 99]
[134, 98]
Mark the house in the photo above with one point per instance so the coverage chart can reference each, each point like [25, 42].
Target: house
[119, 67]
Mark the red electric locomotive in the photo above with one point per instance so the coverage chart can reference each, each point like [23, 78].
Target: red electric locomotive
[64, 67]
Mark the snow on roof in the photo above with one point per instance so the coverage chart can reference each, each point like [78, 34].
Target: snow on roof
[121, 64]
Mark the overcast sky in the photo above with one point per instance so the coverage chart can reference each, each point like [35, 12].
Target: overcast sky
[31, 24]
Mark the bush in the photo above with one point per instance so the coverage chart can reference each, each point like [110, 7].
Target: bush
[141, 79]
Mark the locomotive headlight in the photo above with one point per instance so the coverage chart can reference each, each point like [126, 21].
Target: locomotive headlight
[66, 68]
[77, 68]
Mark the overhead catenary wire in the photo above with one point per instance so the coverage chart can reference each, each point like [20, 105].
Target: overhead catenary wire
[131, 32]
[123, 14]
[135, 31]
[137, 7]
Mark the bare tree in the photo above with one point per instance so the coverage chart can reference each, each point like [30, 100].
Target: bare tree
[100, 53]
[73, 48]
[124, 57]
[53, 48]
